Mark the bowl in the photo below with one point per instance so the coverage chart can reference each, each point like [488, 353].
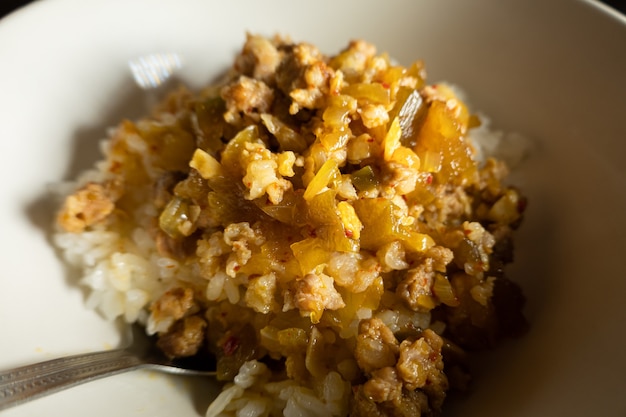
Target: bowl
[554, 71]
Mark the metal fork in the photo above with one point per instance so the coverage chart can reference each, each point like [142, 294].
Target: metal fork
[151, 71]
[29, 382]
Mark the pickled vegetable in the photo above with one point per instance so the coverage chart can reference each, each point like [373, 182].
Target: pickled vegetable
[209, 116]
[365, 178]
[178, 217]
[381, 225]
[442, 145]
[409, 110]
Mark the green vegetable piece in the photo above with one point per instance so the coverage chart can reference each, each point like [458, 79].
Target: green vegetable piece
[364, 179]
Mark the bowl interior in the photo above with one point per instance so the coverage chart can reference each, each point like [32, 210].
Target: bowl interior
[553, 71]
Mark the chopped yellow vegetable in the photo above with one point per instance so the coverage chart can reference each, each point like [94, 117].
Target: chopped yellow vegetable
[328, 172]
[207, 166]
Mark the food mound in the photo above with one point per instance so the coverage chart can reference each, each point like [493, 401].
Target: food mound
[320, 225]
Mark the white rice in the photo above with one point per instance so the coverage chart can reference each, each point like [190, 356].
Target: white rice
[251, 395]
[511, 147]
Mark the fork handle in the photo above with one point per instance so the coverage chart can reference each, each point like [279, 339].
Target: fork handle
[28, 382]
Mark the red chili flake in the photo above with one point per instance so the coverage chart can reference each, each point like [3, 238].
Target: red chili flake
[386, 85]
[236, 268]
[467, 232]
[370, 139]
[521, 205]
[349, 233]
[230, 345]
[429, 179]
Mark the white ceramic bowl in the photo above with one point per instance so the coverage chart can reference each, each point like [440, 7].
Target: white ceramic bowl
[552, 70]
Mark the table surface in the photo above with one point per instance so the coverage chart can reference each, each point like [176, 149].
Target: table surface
[617, 4]
[8, 6]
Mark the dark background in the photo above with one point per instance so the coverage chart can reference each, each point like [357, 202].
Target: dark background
[7, 6]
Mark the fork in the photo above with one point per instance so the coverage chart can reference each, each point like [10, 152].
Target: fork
[29, 382]
[151, 71]
[19, 385]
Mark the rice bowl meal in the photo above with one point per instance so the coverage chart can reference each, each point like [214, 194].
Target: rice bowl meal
[328, 228]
